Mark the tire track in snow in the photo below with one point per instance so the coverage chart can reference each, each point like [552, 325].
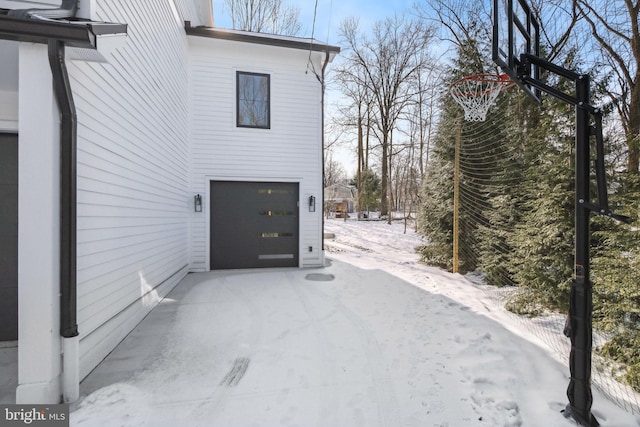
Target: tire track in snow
[371, 354]
[216, 399]
[325, 348]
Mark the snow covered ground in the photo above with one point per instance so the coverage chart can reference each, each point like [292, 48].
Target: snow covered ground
[376, 244]
[374, 339]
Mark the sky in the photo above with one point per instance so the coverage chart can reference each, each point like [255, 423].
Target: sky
[330, 13]
[374, 339]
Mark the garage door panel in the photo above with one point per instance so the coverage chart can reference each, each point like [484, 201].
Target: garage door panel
[8, 261]
[8, 159]
[231, 253]
[254, 224]
[275, 225]
[277, 245]
[9, 314]
[9, 211]
[8, 237]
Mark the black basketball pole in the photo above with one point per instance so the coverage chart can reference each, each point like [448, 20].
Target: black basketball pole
[522, 25]
[579, 320]
[580, 305]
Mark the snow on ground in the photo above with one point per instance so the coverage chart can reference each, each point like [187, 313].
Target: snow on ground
[374, 339]
[379, 245]
[376, 244]
[391, 247]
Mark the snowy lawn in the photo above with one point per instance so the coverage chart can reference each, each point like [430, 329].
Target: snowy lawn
[386, 342]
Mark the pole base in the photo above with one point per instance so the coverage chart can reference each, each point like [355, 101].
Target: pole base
[589, 421]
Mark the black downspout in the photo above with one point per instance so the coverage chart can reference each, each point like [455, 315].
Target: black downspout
[324, 68]
[68, 144]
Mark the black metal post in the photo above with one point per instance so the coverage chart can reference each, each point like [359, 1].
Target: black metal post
[580, 306]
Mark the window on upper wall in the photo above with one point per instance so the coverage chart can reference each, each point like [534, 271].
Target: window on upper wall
[252, 100]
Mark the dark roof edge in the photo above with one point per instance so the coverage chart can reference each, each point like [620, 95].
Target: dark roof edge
[260, 38]
[76, 33]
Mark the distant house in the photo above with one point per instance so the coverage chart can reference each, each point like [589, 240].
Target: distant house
[139, 143]
[339, 199]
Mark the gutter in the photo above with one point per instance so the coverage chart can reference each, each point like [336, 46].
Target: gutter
[79, 33]
[58, 28]
[260, 38]
[68, 180]
[68, 187]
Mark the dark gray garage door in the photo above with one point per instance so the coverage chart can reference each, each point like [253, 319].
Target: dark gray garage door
[254, 224]
[8, 237]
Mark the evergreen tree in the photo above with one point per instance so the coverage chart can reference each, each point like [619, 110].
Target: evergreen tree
[516, 209]
[516, 213]
[542, 259]
[615, 273]
[370, 192]
[492, 160]
[435, 213]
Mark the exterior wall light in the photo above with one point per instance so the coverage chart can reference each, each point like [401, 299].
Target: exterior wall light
[312, 204]
[197, 203]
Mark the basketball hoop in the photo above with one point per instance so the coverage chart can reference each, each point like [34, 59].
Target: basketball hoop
[478, 92]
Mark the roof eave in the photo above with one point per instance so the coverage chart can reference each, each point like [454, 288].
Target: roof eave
[82, 35]
[260, 38]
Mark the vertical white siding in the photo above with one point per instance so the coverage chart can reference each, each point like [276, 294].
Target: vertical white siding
[133, 167]
[290, 151]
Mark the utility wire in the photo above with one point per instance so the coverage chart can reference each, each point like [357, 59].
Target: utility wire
[329, 24]
[313, 29]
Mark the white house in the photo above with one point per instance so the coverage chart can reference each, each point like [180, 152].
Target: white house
[139, 143]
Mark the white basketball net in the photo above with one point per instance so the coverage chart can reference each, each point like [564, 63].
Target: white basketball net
[476, 94]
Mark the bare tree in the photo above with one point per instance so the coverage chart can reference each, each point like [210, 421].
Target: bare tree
[614, 25]
[558, 33]
[468, 25]
[355, 115]
[422, 115]
[407, 180]
[385, 63]
[264, 16]
[612, 28]
[333, 172]
[463, 24]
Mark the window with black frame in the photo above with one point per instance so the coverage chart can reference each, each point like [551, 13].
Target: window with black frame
[252, 100]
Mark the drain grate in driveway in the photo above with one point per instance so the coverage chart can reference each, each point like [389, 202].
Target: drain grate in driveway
[236, 373]
[317, 277]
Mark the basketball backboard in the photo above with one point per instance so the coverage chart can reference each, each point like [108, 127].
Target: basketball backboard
[516, 32]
